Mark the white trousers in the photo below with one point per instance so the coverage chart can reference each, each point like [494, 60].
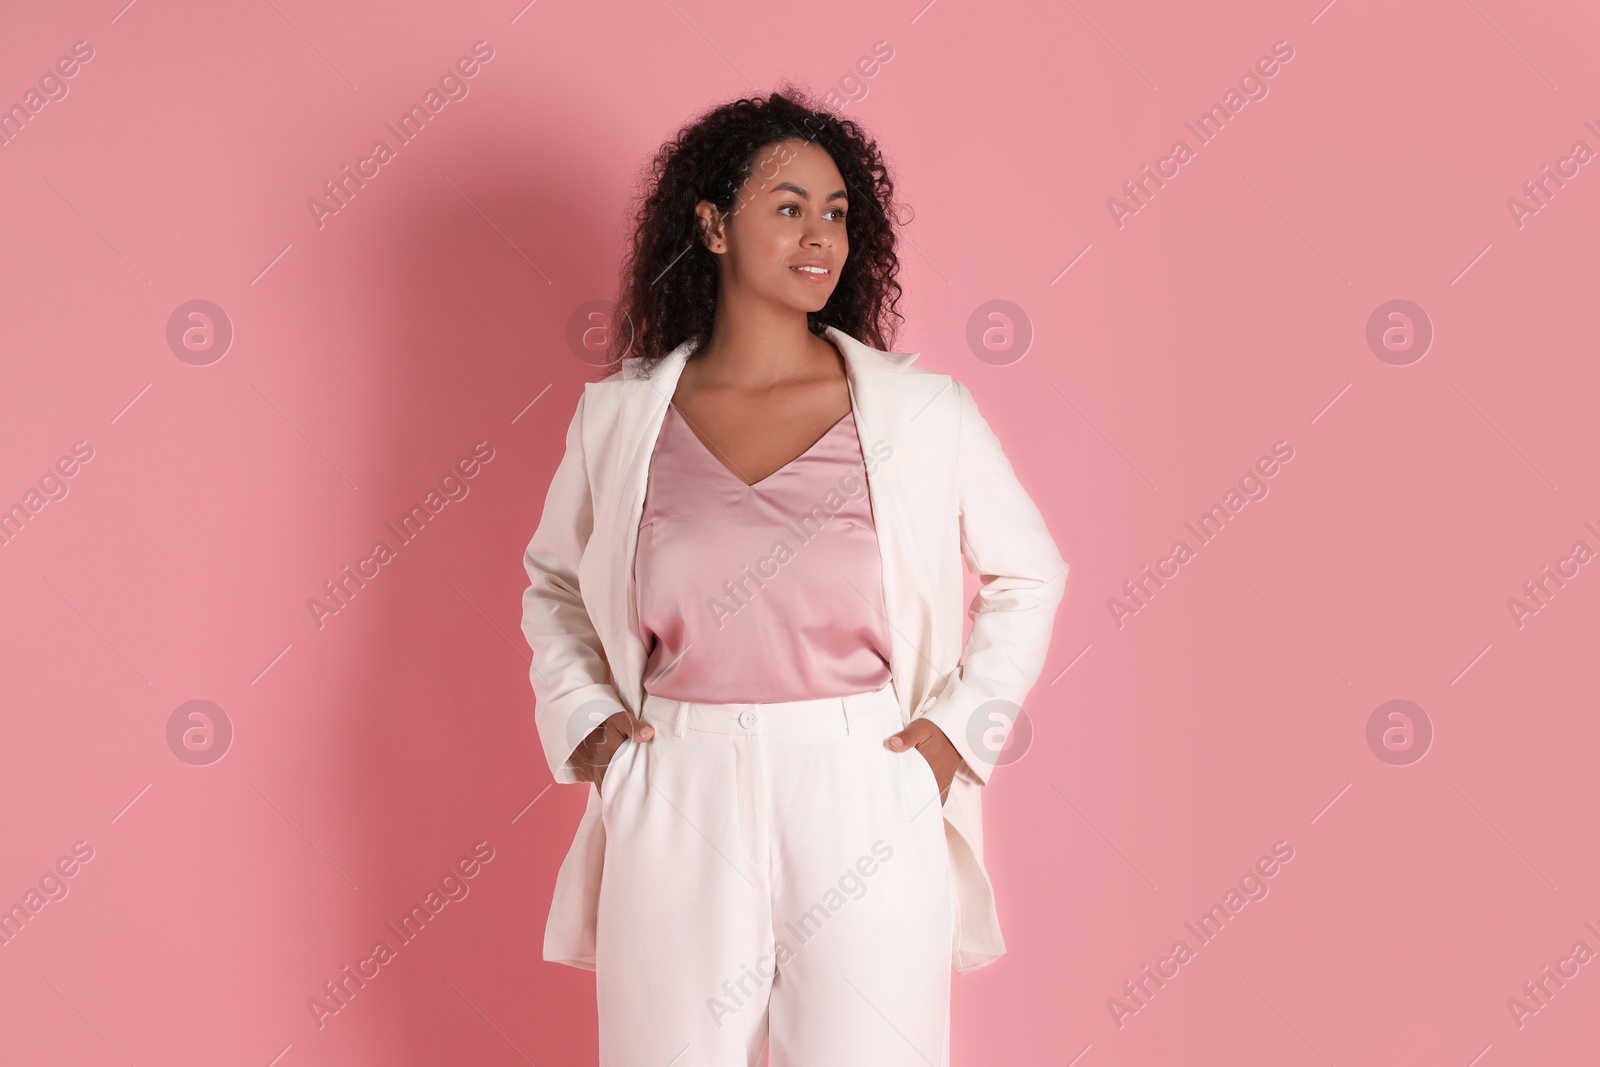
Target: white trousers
[775, 879]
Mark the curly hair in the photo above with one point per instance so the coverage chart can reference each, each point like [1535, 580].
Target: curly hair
[669, 277]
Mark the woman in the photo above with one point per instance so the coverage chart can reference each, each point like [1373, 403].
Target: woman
[745, 612]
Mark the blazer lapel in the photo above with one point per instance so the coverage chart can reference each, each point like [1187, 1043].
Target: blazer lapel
[629, 435]
[886, 401]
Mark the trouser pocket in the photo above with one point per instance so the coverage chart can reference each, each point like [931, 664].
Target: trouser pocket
[927, 783]
[611, 781]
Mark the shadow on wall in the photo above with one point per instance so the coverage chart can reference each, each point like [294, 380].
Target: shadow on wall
[443, 753]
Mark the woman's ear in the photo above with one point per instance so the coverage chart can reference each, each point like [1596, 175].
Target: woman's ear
[712, 233]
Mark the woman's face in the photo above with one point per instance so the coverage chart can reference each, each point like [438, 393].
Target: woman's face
[789, 214]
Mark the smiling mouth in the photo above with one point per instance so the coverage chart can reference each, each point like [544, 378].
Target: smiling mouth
[822, 272]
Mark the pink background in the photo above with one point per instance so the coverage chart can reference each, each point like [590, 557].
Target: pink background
[371, 753]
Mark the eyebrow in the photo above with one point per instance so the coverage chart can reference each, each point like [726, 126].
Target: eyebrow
[792, 187]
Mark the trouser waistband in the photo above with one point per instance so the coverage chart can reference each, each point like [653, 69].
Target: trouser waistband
[820, 716]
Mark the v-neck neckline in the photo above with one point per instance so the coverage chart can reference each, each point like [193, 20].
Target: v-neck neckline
[734, 474]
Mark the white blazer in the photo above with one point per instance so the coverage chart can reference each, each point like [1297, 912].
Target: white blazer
[941, 491]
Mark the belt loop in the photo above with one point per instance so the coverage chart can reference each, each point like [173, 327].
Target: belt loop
[856, 707]
[680, 719]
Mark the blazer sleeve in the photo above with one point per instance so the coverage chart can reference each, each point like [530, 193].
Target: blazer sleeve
[571, 679]
[1004, 540]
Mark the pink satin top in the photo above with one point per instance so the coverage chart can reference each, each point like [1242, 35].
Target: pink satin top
[764, 592]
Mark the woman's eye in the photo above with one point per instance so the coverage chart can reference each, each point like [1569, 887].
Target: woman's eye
[838, 212]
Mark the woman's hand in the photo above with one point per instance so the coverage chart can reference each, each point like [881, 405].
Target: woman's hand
[593, 754]
[932, 745]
